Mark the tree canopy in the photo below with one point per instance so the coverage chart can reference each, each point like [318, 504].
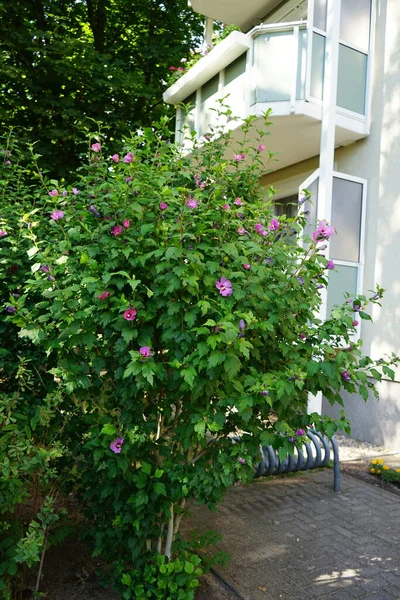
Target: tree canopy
[63, 63]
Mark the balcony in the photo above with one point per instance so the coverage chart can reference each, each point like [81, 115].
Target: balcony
[279, 67]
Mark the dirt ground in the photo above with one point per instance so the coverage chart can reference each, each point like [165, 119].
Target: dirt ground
[69, 571]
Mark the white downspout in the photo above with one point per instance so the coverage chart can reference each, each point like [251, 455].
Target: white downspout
[327, 148]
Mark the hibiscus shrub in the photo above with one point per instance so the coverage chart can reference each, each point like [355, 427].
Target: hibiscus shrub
[171, 310]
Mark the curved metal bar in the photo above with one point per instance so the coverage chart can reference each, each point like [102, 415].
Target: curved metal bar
[313, 454]
[336, 465]
[317, 458]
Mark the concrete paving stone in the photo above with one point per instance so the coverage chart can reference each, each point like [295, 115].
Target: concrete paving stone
[380, 596]
[296, 538]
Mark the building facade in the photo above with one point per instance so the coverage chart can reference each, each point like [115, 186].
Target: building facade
[330, 72]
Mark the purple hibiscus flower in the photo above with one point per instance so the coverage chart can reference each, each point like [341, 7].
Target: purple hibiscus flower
[224, 286]
[116, 445]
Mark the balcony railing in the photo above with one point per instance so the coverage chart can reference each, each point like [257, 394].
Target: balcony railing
[278, 66]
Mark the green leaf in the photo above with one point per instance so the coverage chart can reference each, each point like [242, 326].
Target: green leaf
[160, 488]
[146, 468]
[364, 316]
[189, 567]
[200, 428]
[189, 375]
[108, 429]
[216, 358]
[389, 372]
[232, 365]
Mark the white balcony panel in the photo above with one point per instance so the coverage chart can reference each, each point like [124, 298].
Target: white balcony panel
[222, 55]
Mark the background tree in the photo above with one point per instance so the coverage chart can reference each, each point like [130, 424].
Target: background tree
[63, 63]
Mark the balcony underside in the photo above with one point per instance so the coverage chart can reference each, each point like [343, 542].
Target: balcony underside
[293, 137]
[234, 12]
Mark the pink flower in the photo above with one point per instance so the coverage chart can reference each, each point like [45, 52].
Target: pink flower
[241, 230]
[239, 157]
[238, 202]
[104, 295]
[172, 68]
[180, 69]
[226, 207]
[241, 460]
[8, 162]
[260, 229]
[130, 314]
[129, 158]
[75, 191]
[303, 336]
[260, 148]
[192, 202]
[300, 432]
[128, 179]
[224, 286]
[56, 215]
[330, 265]
[323, 232]
[65, 193]
[115, 158]
[126, 223]
[355, 323]
[53, 193]
[163, 205]
[145, 351]
[2, 233]
[247, 267]
[96, 147]
[273, 224]
[116, 445]
[116, 230]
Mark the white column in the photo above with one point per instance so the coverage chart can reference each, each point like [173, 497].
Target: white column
[327, 148]
[208, 32]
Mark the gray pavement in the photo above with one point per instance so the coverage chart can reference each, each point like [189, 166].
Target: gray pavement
[293, 538]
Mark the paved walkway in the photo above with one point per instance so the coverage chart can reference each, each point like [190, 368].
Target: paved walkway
[294, 538]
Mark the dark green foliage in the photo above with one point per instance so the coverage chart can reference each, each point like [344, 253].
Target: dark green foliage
[64, 63]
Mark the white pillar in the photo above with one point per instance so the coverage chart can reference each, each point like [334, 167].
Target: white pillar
[208, 32]
[327, 148]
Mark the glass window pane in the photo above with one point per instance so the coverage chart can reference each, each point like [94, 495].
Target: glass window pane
[235, 87]
[317, 66]
[209, 106]
[355, 19]
[352, 79]
[320, 14]
[301, 65]
[346, 218]
[235, 69]
[189, 116]
[209, 88]
[274, 66]
[339, 282]
[286, 206]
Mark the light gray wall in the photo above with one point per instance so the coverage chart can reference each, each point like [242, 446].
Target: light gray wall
[377, 159]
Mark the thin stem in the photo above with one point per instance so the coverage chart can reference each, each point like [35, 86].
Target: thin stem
[160, 539]
[179, 516]
[170, 534]
[39, 575]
